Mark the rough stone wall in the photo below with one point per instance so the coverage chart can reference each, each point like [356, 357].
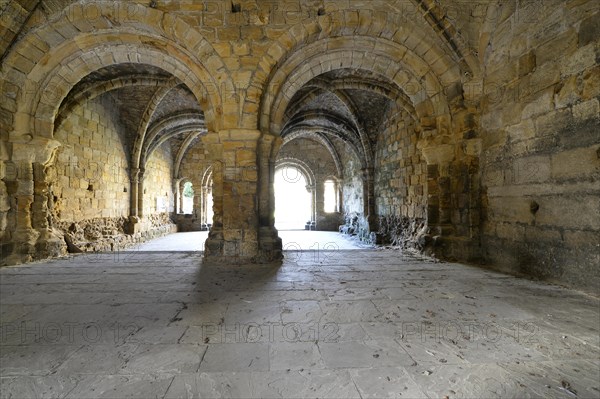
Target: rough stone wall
[400, 181]
[541, 154]
[320, 162]
[505, 102]
[90, 181]
[91, 165]
[158, 182]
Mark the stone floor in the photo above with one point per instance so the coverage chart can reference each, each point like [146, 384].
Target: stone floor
[338, 323]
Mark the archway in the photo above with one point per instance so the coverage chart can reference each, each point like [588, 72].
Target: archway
[294, 199]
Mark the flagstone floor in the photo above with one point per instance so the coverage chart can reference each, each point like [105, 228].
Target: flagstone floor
[338, 322]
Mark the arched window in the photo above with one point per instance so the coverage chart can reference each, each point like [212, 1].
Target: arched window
[188, 198]
[293, 200]
[331, 197]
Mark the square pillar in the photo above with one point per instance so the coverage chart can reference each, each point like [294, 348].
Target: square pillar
[233, 238]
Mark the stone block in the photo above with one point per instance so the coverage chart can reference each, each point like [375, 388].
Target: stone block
[522, 131]
[587, 110]
[583, 58]
[527, 63]
[542, 236]
[440, 154]
[568, 93]
[510, 209]
[589, 30]
[553, 122]
[569, 211]
[591, 83]
[542, 103]
[577, 238]
[576, 163]
[563, 43]
[532, 169]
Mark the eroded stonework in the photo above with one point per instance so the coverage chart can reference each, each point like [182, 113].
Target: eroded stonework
[464, 129]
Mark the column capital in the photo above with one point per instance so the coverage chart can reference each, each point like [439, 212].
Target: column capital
[34, 149]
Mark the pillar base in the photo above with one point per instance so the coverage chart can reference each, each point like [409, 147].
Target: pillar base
[270, 245]
[238, 252]
[23, 250]
[51, 244]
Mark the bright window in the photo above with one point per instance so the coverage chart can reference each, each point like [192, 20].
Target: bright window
[188, 198]
[330, 197]
[292, 199]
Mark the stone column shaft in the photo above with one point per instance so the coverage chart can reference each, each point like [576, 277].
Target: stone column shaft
[234, 235]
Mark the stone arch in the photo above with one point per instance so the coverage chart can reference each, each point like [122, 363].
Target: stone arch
[419, 82]
[206, 193]
[95, 90]
[155, 101]
[325, 141]
[172, 125]
[178, 186]
[185, 146]
[309, 176]
[144, 35]
[298, 164]
[389, 27]
[437, 18]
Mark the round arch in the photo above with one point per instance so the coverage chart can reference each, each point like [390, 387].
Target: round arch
[309, 177]
[420, 84]
[393, 28]
[145, 36]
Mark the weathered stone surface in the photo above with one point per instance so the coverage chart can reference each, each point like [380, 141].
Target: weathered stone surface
[438, 130]
[359, 323]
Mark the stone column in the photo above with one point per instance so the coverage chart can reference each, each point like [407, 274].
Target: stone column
[23, 237]
[134, 182]
[29, 200]
[140, 193]
[270, 244]
[318, 200]
[178, 192]
[317, 203]
[50, 242]
[234, 236]
[133, 225]
[369, 199]
[200, 207]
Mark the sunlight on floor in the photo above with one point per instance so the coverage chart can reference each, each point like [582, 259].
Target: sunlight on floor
[293, 240]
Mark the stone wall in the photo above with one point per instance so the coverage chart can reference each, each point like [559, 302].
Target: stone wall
[504, 98]
[158, 182]
[400, 181]
[541, 154]
[92, 180]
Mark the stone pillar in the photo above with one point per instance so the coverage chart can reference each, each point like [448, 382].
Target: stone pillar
[234, 237]
[369, 199]
[133, 225]
[317, 202]
[29, 203]
[270, 244]
[201, 210]
[140, 193]
[134, 182]
[50, 242]
[23, 236]
[178, 192]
